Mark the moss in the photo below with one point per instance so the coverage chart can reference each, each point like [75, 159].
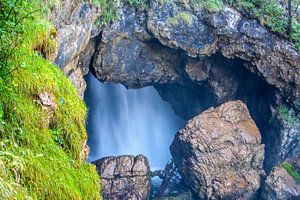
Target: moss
[40, 151]
[173, 21]
[286, 115]
[291, 170]
[185, 17]
[210, 5]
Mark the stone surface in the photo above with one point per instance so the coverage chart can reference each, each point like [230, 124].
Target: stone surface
[171, 45]
[74, 21]
[202, 33]
[124, 177]
[172, 184]
[219, 153]
[127, 54]
[280, 185]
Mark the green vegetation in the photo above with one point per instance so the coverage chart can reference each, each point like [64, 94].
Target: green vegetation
[40, 148]
[110, 10]
[183, 16]
[286, 115]
[210, 5]
[291, 170]
[271, 14]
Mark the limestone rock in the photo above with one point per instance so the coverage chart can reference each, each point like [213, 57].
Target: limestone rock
[219, 153]
[74, 21]
[124, 177]
[127, 55]
[280, 185]
[202, 33]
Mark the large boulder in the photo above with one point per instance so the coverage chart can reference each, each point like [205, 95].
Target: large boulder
[124, 177]
[219, 153]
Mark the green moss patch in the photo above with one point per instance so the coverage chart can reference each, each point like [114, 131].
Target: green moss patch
[291, 170]
[41, 146]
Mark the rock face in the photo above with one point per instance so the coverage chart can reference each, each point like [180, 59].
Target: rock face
[173, 45]
[124, 177]
[219, 153]
[127, 55]
[202, 33]
[280, 185]
[74, 21]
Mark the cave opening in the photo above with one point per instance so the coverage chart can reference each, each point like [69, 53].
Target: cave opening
[129, 122]
[161, 109]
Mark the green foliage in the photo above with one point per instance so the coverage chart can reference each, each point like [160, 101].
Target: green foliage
[40, 150]
[291, 170]
[286, 115]
[110, 9]
[136, 2]
[210, 5]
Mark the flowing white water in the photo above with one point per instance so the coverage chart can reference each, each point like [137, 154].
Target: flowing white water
[132, 122]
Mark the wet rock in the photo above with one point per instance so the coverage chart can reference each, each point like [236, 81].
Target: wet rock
[202, 33]
[280, 185]
[124, 177]
[172, 184]
[74, 21]
[77, 72]
[127, 53]
[219, 153]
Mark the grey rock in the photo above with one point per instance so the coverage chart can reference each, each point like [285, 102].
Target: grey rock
[124, 177]
[126, 55]
[280, 185]
[74, 21]
[219, 153]
[201, 33]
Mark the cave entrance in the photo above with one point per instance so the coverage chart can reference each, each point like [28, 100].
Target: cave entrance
[129, 122]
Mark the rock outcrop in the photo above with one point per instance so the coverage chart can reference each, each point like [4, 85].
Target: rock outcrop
[219, 153]
[124, 177]
[74, 21]
[201, 33]
[127, 55]
[173, 45]
[280, 185]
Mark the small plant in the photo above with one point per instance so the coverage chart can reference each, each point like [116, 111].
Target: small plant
[286, 115]
[291, 170]
[186, 17]
[272, 14]
[210, 5]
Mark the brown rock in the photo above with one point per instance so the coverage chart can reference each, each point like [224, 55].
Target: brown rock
[280, 185]
[219, 153]
[124, 177]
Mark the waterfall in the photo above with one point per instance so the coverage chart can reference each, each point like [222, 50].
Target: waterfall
[129, 122]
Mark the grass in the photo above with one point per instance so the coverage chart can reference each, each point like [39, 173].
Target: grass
[291, 170]
[110, 9]
[210, 5]
[40, 150]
